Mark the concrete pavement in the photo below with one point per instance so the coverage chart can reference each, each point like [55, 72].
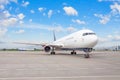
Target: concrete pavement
[30, 65]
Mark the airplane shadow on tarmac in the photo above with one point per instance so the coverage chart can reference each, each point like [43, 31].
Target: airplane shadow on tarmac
[66, 54]
[79, 54]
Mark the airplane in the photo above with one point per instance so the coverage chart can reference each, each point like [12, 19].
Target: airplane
[83, 40]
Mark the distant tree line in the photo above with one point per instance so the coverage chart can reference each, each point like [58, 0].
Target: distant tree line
[4, 49]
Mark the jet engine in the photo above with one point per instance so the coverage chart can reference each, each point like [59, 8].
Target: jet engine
[47, 48]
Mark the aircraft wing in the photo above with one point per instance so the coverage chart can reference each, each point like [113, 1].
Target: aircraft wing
[41, 44]
[27, 43]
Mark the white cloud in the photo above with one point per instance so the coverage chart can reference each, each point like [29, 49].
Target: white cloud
[109, 0]
[115, 11]
[50, 12]
[15, 1]
[105, 42]
[70, 11]
[115, 8]
[41, 9]
[12, 21]
[25, 4]
[115, 37]
[108, 41]
[20, 31]
[71, 29]
[21, 22]
[3, 31]
[7, 19]
[2, 7]
[78, 21]
[104, 18]
[103, 39]
[109, 38]
[4, 2]
[8, 22]
[21, 16]
[57, 28]
[32, 11]
[6, 14]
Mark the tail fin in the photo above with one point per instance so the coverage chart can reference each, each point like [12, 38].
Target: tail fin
[54, 35]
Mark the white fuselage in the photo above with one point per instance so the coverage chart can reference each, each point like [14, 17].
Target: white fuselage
[80, 39]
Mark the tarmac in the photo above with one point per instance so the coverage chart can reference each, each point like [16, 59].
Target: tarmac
[35, 65]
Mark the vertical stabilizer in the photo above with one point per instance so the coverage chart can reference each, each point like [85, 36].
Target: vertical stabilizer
[54, 35]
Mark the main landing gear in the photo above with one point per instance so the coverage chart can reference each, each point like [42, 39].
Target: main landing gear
[73, 52]
[87, 51]
[52, 52]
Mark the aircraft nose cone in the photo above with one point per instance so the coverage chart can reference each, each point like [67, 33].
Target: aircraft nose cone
[94, 40]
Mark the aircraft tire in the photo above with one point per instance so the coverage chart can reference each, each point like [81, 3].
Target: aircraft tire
[52, 53]
[71, 53]
[86, 55]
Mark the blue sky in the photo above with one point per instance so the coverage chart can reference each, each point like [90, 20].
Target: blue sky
[34, 20]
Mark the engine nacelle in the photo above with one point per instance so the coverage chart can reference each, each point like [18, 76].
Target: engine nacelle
[47, 48]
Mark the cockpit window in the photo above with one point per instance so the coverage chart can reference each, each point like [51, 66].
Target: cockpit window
[84, 34]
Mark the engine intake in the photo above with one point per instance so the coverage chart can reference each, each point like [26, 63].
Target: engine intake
[47, 48]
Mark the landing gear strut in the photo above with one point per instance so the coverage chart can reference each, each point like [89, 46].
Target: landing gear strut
[73, 52]
[52, 52]
[86, 55]
[87, 51]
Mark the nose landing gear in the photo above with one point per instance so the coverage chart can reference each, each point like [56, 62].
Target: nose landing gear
[87, 51]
